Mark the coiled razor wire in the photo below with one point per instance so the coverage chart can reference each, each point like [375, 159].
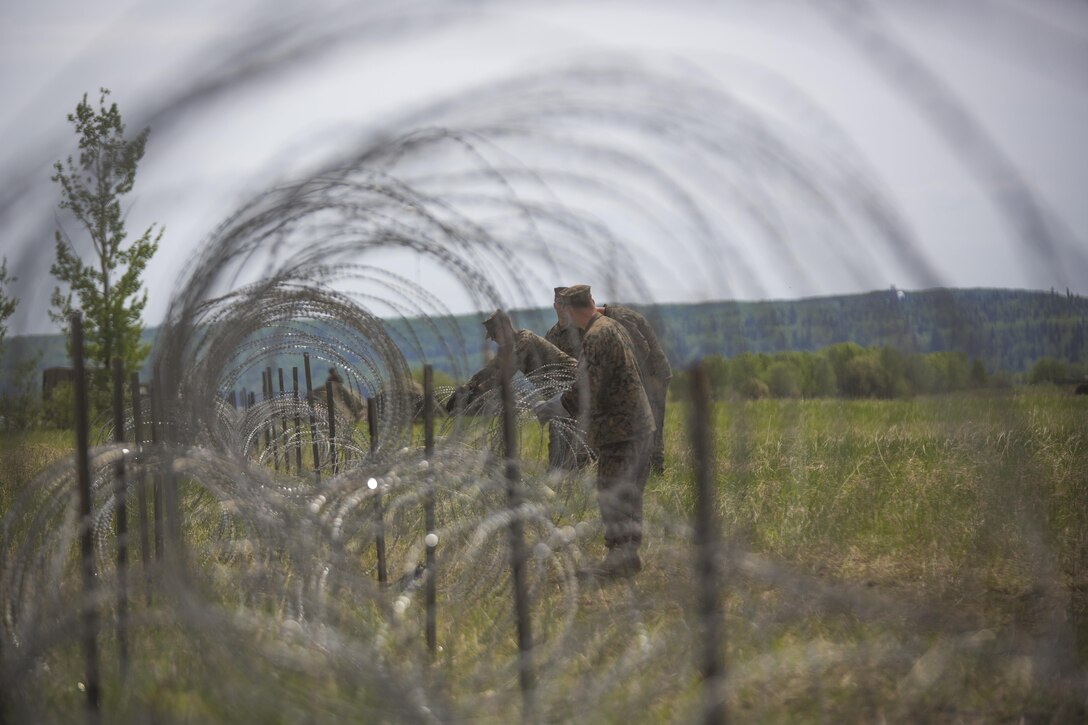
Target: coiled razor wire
[268, 607]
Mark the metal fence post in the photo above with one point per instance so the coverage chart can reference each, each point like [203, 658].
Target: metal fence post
[171, 496]
[88, 612]
[270, 426]
[298, 422]
[141, 482]
[283, 427]
[313, 418]
[518, 554]
[706, 548]
[332, 426]
[428, 511]
[379, 511]
[120, 499]
[156, 491]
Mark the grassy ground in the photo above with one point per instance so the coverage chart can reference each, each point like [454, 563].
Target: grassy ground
[885, 560]
[25, 455]
[970, 510]
[910, 491]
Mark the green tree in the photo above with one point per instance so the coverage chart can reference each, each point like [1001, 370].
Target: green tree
[953, 373]
[782, 380]
[839, 355]
[743, 368]
[109, 286]
[18, 405]
[978, 373]
[754, 389]
[7, 304]
[60, 410]
[894, 364]
[820, 381]
[1047, 370]
[864, 377]
[921, 374]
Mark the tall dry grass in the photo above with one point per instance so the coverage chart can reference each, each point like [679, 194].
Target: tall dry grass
[914, 560]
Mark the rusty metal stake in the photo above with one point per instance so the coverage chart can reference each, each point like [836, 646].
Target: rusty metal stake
[156, 491]
[120, 500]
[379, 511]
[518, 553]
[332, 425]
[706, 549]
[283, 427]
[298, 422]
[429, 523]
[141, 483]
[88, 613]
[270, 428]
[313, 418]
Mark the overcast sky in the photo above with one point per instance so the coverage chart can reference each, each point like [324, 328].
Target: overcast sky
[1018, 71]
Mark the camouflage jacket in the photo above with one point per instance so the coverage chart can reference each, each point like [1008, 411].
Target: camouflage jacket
[568, 339]
[531, 352]
[653, 365]
[608, 388]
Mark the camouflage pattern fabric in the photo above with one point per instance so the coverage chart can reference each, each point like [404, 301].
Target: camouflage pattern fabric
[568, 339]
[655, 369]
[531, 352]
[622, 470]
[608, 394]
[653, 365]
[656, 395]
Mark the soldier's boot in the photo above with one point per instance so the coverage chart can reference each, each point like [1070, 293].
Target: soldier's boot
[622, 561]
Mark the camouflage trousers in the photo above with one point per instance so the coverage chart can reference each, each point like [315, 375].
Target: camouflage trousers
[656, 399]
[622, 469]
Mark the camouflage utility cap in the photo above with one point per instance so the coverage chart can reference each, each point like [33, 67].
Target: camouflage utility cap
[559, 292]
[577, 295]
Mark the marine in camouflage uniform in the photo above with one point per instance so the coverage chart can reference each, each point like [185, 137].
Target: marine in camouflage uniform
[653, 364]
[611, 400]
[531, 353]
[570, 454]
[564, 335]
[655, 369]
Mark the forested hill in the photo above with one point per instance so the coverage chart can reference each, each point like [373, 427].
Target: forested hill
[1005, 329]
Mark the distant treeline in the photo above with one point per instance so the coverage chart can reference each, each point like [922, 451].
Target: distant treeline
[849, 370]
[993, 331]
[1006, 330]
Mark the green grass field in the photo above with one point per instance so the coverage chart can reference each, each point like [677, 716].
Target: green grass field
[921, 560]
